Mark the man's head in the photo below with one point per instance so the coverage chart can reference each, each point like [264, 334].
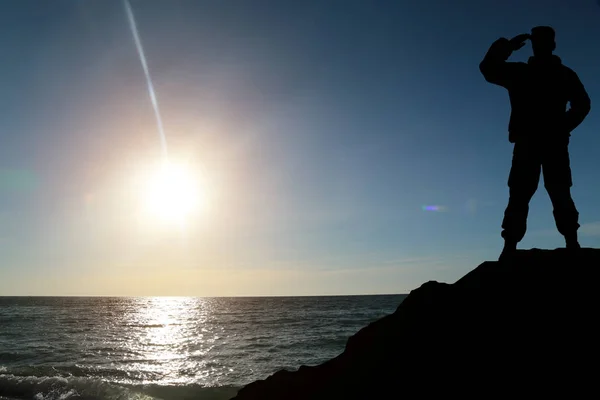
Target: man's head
[542, 41]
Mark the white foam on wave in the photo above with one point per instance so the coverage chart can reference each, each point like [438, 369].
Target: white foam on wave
[15, 387]
[60, 388]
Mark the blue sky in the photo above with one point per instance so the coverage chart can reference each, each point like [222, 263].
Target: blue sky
[321, 129]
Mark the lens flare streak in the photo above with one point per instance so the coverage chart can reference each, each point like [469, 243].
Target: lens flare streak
[434, 208]
[143, 61]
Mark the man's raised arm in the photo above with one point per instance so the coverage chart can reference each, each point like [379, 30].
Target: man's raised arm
[494, 67]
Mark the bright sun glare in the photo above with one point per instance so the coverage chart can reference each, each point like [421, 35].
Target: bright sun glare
[172, 193]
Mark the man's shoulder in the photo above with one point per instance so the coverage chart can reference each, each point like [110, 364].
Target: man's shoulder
[518, 65]
[518, 70]
[567, 70]
[569, 76]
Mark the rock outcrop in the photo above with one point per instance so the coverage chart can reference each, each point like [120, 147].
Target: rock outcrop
[522, 327]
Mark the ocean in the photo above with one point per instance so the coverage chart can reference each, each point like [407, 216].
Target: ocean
[170, 348]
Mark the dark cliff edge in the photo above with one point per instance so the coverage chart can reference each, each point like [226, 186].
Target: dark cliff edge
[524, 326]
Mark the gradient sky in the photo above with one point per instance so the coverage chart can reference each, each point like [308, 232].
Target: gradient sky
[320, 129]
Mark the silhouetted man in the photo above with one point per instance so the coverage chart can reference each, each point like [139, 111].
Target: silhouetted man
[540, 127]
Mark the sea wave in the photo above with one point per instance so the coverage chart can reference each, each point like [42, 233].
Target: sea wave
[163, 348]
[86, 388]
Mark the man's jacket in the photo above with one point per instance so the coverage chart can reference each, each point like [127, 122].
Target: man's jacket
[539, 92]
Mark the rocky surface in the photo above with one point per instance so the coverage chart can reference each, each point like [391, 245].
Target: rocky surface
[522, 327]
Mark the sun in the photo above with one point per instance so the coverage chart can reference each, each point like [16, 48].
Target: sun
[172, 193]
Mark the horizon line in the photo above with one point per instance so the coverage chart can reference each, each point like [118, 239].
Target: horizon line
[207, 297]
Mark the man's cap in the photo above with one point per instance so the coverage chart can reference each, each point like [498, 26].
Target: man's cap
[543, 33]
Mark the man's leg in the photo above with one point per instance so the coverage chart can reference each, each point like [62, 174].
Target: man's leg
[514, 224]
[522, 182]
[558, 182]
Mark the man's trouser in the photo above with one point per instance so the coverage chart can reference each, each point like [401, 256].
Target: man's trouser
[529, 159]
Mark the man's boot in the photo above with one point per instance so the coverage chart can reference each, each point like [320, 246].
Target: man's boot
[510, 248]
[572, 242]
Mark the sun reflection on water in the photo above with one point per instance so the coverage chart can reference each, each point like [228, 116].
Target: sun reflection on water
[172, 338]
